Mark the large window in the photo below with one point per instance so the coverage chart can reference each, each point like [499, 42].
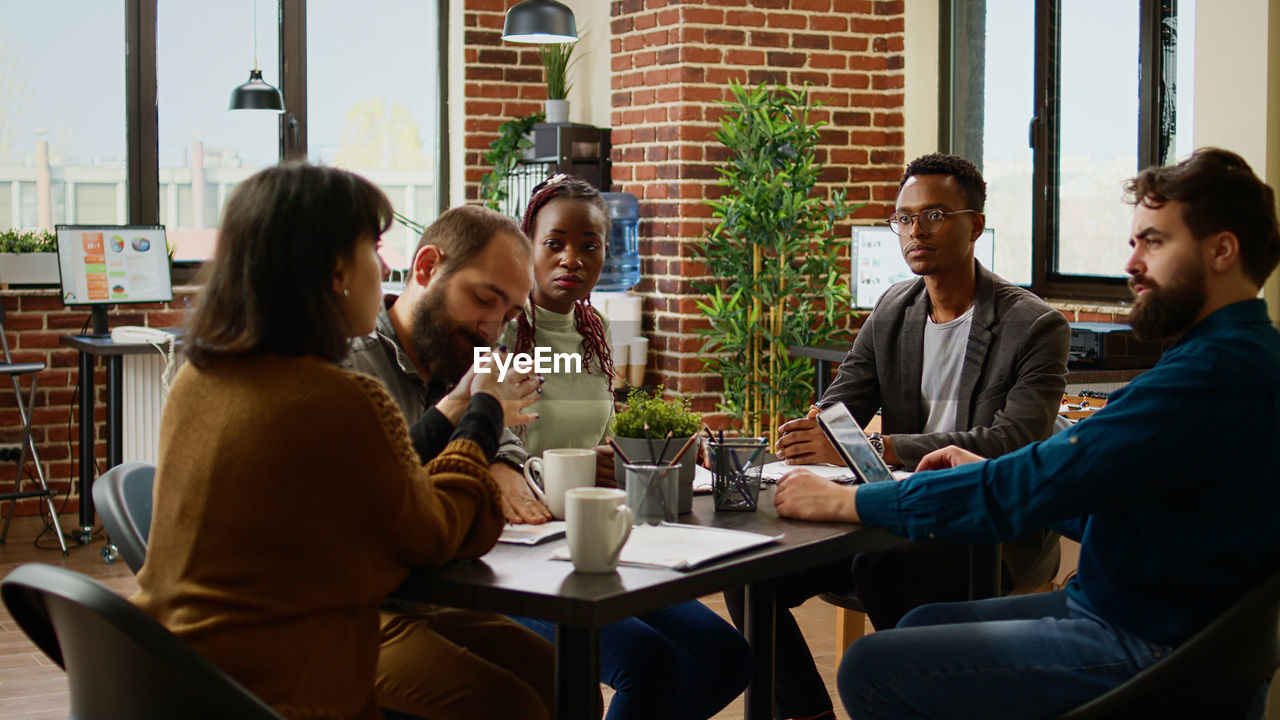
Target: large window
[115, 111]
[62, 114]
[372, 101]
[1059, 102]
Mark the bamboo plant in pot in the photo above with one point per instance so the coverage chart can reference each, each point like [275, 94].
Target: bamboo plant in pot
[775, 255]
[641, 430]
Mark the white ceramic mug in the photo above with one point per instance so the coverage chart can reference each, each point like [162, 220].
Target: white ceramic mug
[597, 524]
[561, 470]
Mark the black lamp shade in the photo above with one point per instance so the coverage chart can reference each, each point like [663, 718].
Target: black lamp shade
[256, 95]
[540, 21]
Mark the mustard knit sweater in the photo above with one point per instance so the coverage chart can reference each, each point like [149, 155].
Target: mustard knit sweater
[288, 504]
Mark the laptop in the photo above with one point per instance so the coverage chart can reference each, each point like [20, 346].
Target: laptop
[851, 444]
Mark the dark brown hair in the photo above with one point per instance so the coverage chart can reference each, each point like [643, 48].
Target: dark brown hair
[966, 174]
[269, 287]
[585, 320]
[1218, 192]
[464, 232]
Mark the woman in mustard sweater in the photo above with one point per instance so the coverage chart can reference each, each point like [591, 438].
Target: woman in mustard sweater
[288, 499]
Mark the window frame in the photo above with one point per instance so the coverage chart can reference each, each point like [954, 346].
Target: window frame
[1156, 100]
[142, 113]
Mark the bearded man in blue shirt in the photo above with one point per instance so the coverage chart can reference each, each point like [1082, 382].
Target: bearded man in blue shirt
[1171, 535]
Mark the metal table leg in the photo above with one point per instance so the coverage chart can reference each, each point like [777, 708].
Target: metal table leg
[760, 627]
[984, 571]
[577, 673]
[87, 443]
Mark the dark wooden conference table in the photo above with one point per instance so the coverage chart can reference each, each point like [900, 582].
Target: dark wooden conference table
[524, 580]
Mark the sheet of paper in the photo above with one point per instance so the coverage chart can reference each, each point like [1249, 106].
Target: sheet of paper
[775, 470]
[681, 547]
[532, 534]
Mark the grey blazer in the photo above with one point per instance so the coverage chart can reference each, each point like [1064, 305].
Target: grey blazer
[1010, 386]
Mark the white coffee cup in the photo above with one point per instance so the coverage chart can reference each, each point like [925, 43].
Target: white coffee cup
[597, 524]
[561, 470]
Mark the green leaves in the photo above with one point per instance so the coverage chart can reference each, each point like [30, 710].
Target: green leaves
[504, 154]
[773, 244]
[663, 416]
[13, 240]
[556, 60]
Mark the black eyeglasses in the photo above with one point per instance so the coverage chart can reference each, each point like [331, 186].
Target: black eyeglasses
[931, 220]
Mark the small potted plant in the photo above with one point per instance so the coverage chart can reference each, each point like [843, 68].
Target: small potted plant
[641, 430]
[28, 257]
[556, 59]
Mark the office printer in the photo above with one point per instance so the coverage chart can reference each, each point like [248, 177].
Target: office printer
[1109, 346]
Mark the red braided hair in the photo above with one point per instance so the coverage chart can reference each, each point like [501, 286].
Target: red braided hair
[595, 345]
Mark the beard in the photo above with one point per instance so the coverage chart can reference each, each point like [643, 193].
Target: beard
[444, 347]
[1166, 311]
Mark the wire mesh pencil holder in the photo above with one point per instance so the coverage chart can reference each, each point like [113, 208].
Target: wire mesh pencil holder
[736, 467]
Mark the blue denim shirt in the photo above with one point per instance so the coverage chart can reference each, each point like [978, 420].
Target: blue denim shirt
[1173, 489]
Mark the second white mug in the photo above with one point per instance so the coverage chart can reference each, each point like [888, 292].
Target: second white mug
[597, 525]
[560, 470]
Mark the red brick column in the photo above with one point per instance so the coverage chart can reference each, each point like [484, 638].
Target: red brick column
[671, 67]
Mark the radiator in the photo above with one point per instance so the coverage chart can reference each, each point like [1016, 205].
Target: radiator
[143, 399]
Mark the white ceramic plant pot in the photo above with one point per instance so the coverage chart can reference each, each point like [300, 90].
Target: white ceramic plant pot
[557, 111]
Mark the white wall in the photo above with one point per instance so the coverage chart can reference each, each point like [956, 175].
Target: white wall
[920, 107]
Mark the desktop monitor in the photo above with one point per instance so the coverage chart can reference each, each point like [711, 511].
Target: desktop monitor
[875, 261]
[100, 265]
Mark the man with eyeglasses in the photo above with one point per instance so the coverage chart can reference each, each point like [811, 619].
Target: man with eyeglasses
[957, 356]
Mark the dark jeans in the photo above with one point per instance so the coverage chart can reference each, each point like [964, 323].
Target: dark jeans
[889, 583]
[682, 662]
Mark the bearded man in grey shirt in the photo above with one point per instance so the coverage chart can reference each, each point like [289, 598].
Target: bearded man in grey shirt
[957, 356]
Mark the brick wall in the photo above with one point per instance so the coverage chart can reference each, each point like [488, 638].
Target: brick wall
[500, 81]
[34, 321]
[671, 64]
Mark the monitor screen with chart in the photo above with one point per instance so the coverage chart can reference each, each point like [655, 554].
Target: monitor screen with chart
[875, 261]
[101, 265]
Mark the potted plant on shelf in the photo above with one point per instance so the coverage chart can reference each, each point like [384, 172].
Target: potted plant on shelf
[28, 257]
[504, 154]
[556, 59]
[774, 256]
[641, 430]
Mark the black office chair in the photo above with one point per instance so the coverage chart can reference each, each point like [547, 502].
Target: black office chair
[121, 664]
[25, 411]
[122, 496]
[850, 622]
[1215, 674]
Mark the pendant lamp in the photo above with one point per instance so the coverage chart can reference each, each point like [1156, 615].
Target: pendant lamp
[256, 94]
[540, 21]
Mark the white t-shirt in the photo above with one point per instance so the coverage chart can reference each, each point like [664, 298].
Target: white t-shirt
[944, 348]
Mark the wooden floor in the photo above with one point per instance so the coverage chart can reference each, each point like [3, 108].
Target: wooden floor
[32, 688]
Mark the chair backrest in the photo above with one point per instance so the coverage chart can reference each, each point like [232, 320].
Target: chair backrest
[1215, 674]
[121, 664]
[122, 496]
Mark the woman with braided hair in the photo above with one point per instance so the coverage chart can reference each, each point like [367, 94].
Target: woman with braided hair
[681, 662]
[569, 225]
